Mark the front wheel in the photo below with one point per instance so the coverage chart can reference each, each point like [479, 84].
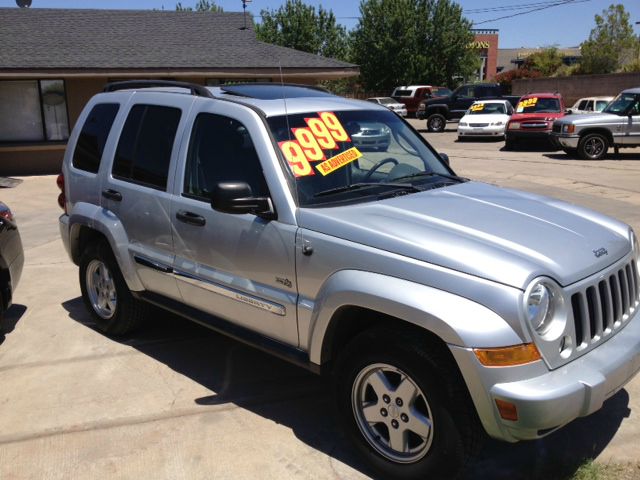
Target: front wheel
[105, 292]
[593, 146]
[404, 414]
[436, 122]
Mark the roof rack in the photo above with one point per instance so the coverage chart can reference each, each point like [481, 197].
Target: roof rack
[197, 90]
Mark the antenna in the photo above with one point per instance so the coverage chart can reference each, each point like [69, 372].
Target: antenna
[244, 10]
[23, 3]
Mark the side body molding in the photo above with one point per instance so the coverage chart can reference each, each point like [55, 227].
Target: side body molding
[456, 320]
[105, 222]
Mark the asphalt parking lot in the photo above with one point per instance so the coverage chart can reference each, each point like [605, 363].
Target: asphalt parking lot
[178, 401]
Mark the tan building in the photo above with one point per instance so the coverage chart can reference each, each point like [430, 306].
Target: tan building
[512, 58]
[53, 60]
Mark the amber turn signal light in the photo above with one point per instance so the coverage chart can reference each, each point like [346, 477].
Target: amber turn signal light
[508, 356]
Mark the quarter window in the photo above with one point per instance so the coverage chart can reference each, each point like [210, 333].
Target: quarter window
[93, 137]
[221, 150]
[146, 142]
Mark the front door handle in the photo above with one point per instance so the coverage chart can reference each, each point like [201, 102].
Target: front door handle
[190, 218]
[112, 195]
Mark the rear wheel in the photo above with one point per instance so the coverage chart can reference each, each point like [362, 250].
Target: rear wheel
[404, 410]
[593, 146]
[105, 292]
[436, 122]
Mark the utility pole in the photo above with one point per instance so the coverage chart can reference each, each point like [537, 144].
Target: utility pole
[244, 9]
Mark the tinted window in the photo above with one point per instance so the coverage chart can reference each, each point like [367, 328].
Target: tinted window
[583, 105]
[221, 150]
[93, 137]
[144, 149]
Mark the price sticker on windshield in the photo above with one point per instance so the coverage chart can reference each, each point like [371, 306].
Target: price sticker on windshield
[296, 158]
[477, 107]
[338, 161]
[529, 102]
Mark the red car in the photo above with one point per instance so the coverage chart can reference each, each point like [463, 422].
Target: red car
[533, 117]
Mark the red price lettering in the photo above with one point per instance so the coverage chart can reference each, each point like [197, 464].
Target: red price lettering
[322, 133]
[335, 127]
[296, 158]
[309, 144]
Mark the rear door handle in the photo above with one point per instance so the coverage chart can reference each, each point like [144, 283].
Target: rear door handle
[112, 195]
[190, 218]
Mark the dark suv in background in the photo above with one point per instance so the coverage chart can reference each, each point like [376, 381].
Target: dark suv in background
[439, 110]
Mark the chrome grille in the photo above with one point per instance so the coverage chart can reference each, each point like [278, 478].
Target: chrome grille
[478, 124]
[601, 308]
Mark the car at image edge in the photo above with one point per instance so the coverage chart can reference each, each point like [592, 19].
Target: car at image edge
[11, 258]
[443, 309]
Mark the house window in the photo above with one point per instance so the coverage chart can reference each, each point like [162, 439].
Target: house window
[33, 111]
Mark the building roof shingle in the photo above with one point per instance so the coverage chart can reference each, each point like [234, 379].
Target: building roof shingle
[39, 38]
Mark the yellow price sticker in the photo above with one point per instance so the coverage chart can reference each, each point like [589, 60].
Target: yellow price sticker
[338, 161]
[477, 107]
[529, 102]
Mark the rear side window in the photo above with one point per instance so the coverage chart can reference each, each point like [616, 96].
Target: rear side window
[144, 149]
[93, 137]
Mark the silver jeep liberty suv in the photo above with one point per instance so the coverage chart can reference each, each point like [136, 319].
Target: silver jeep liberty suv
[328, 232]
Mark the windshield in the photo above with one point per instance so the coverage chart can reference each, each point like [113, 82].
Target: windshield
[355, 156]
[538, 105]
[440, 92]
[622, 103]
[402, 93]
[387, 101]
[486, 108]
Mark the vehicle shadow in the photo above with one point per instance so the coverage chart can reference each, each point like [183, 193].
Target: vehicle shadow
[11, 318]
[609, 156]
[291, 396]
[540, 145]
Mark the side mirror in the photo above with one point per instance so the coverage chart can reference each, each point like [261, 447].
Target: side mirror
[237, 198]
[444, 157]
[568, 111]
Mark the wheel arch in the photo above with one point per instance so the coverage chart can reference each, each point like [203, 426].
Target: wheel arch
[603, 131]
[353, 301]
[88, 223]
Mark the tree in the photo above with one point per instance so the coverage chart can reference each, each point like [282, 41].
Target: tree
[610, 43]
[201, 6]
[300, 26]
[400, 42]
[546, 61]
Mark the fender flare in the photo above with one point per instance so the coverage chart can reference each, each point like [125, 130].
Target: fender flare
[452, 318]
[437, 108]
[106, 223]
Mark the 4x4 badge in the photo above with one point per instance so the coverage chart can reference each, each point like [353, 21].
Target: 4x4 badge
[600, 252]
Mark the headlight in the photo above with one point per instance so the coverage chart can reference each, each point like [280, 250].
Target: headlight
[497, 123]
[568, 128]
[514, 126]
[462, 124]
[544, 308]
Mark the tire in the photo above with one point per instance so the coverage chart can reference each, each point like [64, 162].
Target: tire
[593, 146]
[436, 122]
[388, 382]
[509, 143]
[105, 292]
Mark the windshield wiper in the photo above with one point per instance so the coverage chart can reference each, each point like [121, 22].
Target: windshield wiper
[434, 174]
[357, 186]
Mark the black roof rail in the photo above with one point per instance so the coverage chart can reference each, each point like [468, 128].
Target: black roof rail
[195, 89]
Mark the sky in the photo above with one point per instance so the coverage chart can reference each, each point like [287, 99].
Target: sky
[562, 26]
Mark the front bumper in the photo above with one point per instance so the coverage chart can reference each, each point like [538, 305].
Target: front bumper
[566, 141]
[546, 400]
[526, 134]
[492, 131]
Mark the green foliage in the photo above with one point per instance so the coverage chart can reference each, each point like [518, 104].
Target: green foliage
[201, 6]
[300, 26]
[547, 61]
[610, 43]
[399, 42]
[506, 78]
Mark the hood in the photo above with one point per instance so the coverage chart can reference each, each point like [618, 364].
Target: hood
[519, 117]
[486, 118]
[499, 234]
[598, 118]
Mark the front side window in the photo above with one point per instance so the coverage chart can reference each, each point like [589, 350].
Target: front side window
[355, 156]
[33, 111]
[146, 142]
[622, 104]
[221, 150]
